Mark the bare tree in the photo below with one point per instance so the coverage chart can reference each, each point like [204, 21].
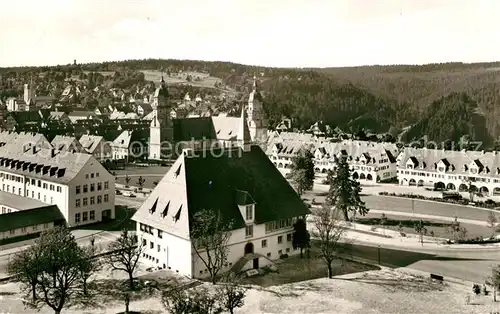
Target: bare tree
[90, 264]
[195, 300]
[127, 181]
[494, 280]
[210, 234]
[231, 294]
[56, 259]
[492, 221]
[329, 229]
[126, 253]
[421, 230]
[454, 228]
[25, 268]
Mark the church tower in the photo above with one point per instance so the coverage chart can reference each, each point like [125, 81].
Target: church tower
[257, 123]
[160, 130]
[29, 93]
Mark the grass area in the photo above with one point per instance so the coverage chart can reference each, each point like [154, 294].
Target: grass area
[122, 221]
[439, 228]
[295, 269]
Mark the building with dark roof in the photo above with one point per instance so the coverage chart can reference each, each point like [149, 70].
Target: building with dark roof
[23, 216]
[244, 186]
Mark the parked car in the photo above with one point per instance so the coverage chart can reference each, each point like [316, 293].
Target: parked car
[118, 192]
[128, 194]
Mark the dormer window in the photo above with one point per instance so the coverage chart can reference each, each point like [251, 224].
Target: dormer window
[178, 171]
[473, 170]
[178, 215]
[466, 168]
[165, 211]
[249, 212]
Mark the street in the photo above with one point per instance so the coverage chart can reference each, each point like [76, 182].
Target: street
[466, 264]
[132, 202]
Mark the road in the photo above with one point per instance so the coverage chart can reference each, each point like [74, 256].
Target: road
[448, 263]
[133, 202]
[102, 240]
[424, 207]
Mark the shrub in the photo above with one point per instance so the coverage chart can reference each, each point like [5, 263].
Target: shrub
[283, 256]
[476, 289]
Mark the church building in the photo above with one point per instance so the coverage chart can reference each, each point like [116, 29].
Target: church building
[168, 137]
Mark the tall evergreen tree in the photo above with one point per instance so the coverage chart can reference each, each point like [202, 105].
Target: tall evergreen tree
[303, 171]
[301, 237]
[344, 190]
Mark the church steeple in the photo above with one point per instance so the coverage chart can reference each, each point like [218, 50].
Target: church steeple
[254, 86]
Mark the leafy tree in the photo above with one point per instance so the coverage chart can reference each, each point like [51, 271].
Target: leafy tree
[454, 228]
[127, 180]
[301, 238]
[140, 182]
[231, 295]
[126, 253]
[492, 221]
[210, 234]
[329, 229]
[303, 171]
[51, 270]
[421, 230]
[494, 280]
[196, 300]
[344, 192]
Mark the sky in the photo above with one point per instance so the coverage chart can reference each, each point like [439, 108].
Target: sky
[279, 33]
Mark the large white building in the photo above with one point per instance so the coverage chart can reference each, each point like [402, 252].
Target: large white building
[241, 183]
[369, 161]
[77, 183]
[451, 170]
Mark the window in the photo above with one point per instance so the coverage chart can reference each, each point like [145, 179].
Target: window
[78, 188]
[32, 194]
[158, 247]
[45, 185]
[264, 243]
[12, 231]
[39, 183]
[151, 245]
[97, 174]
[160, 234]
[288, 250]
[99, 199]
[84, 201]
[19, 191]
[92, 187]
[77, 202]
[51, 187]
[45, 226]
[85, 216]
[87, 176]
[280, 252]
[106, 198]
[144, 242]
[85, 188]
[106, 185]
[92, 215]
[249, 212]
[99, 186]
[280, 239]
[92, 175]
[77, 217]
[38, 195]
[59, 189]
[23, 229]
[92, 200]
[289, 237]
[35, 227]
[268, 254]
[33, 181]
[45, 198]
[249, 231]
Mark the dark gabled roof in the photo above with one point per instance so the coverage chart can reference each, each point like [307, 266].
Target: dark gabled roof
[213, 182]
[26, 116]
[197, 128]
[243, 198]
[27, 218]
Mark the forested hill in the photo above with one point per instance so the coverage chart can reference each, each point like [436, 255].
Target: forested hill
[451, 118]
[373, 97]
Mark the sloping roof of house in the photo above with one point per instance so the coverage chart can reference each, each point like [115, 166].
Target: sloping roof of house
[30, 217]
[216, 182]
[210, 128]
[67, 143]
[46, 164]
[90, 142]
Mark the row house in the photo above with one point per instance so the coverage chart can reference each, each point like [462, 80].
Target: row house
[459, 171]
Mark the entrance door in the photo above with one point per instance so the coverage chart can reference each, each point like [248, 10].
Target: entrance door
[106, 215]
[256, 263]
[249, 248]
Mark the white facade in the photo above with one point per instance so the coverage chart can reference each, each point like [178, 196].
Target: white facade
[266, 241]
[55, 177]
[456, 171]
[26, 230]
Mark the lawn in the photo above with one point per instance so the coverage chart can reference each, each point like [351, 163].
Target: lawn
[440, 228]
[374, 292]
[295, 269]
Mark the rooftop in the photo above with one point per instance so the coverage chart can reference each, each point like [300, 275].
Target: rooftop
[19, 202]
[30, 217]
